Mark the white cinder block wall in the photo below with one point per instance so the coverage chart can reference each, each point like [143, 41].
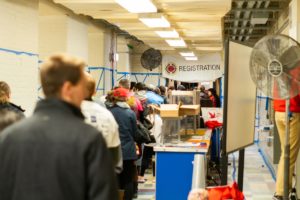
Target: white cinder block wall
[123, 64]
[77, 38]
[63, 31]
[19, 33]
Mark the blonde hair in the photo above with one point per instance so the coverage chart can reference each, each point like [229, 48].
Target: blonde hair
[4, 92]
[90, 85]
[59, 69]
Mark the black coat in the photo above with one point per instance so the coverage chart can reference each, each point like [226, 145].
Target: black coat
[12, 107]
[54, 155]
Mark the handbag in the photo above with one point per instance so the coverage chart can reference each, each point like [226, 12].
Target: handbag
[226, 192]
[142, 134]
[147, 123]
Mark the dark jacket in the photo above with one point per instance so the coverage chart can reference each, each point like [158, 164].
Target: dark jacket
[126, 120]
[55, 155]
[12, 107]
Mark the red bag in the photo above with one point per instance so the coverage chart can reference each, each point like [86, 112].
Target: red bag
[225, 192]
[213, 124]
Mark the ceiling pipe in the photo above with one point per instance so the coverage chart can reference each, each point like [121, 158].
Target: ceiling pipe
[258, 4]
[267, 3]
[246, 15]
[237, 15]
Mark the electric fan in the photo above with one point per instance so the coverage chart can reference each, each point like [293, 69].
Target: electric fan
[275, 70]
[151, 58]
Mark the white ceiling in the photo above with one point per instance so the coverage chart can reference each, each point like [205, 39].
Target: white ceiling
[198, 22]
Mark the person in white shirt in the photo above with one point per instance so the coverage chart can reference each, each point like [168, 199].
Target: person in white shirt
[104, 121]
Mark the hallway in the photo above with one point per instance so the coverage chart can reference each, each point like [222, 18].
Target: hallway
[258, 182]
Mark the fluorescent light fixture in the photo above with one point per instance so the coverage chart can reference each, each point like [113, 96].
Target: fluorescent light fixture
[176, 43]
[138, 6]
[117, 57]
[209, 48]
[189, 54]
[191, 58]
[167, 34]
[155, 20]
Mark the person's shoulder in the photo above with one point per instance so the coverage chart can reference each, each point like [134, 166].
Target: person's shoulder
[130, 112]
[90, 105]
[15, 130]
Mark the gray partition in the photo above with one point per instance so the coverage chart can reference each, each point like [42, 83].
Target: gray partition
[240, 99]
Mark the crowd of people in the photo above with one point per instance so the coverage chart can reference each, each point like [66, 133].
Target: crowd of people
[75, 146]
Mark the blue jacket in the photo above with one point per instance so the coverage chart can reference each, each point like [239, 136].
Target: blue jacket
[153, 98]
[126, 120]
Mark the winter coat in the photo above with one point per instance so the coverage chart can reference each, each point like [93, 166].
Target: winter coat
[55, 155]
[12, 107]
[126, 120]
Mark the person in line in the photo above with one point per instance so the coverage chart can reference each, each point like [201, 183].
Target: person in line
[134, 103]
[140, 92]
[5, 103]
[127, 122]
[203, 92]
[148, 151]
[169, 92]
[136, 106]
[212, 94]
[280, 110]
[8, 117]
[163, 94]
[104, 121]
[152, 97]
[54, 154]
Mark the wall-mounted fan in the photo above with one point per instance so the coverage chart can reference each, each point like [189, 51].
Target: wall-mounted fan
[275, 70]
[151, 58]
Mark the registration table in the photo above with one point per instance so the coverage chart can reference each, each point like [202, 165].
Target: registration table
[174, 166]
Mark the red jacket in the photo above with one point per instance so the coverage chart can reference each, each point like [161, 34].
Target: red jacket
[279, 105]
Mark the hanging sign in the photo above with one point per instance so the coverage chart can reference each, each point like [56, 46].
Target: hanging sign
[206, 68]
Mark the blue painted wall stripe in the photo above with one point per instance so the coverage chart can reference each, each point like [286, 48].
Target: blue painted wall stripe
[268, 164]
[18, 52]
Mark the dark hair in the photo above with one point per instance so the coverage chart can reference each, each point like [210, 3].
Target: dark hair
[217, 98]
[140, 86]
[157, 91]
[162, 90]
[132, 85]
[59, 69]
[4, 92]
[8, 117]
[202, 88]
[213, 91]
[124, 83]
[180, 87]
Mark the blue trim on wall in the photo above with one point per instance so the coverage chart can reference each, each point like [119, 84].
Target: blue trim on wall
[96, 68]
[18, 52]
[139, 73]
[135, 77]
[268, 164]
[100, 79]
[267, 103]
[145, 78]
[261, 97]
[124, 75]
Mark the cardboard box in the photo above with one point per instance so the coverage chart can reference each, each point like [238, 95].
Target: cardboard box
[168, 110]
[189, 110]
